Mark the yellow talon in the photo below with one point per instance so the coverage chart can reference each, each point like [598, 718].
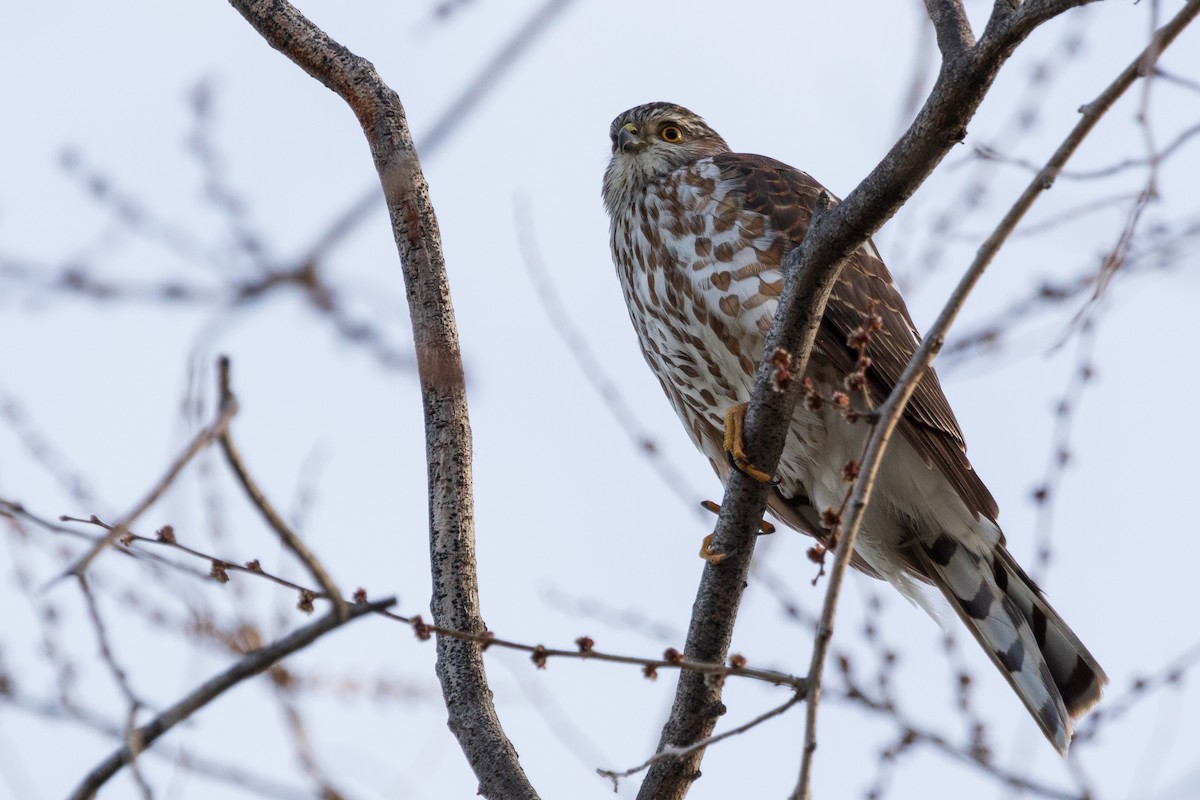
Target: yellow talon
[735, 421]
[764, 527]
[708, 554]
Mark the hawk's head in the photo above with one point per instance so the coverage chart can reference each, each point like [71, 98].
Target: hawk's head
[649, 142]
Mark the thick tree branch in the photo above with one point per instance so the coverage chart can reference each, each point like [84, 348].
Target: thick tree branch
[455, 602]
[949, 20]
[248, 666]
[1013, 20]
[889, 413]
[810, 272]
[1046, 9]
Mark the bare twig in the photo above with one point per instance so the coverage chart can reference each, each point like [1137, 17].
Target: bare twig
[1045, 494]
[1024, 119]
[991, 154]
[539, 654]
[43, 451]
[218, 191]
[1178, 80]
[581, 351]
[625, 618]
[286, 535]
[132, 741]
[918, 83]
[1117, 707]
[203, 439]
[247, 667]
[890, 411]
[206, 767]
[967, 753]
[166, 538]
[1119, 254]
[302, 743]
[680, 752]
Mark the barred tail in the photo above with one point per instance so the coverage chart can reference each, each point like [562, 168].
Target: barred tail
[1055, 676]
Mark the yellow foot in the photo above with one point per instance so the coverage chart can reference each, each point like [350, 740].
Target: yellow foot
[735, 420]
[708, 554]
[764, 527]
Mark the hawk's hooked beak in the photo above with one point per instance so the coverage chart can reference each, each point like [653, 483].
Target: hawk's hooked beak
[628, 141]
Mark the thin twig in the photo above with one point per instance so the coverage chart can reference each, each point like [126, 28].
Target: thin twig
[250, 665]
[43, 451]
[1117, 707]
[581, 351]
[1178, 80]
[203, 439]
[178, 756]
[1119, 254]
[1045, 495]
[132, 741]
[914, 733]
[680, 752]
[991, 154]
[302, 743]
[890, 411]
[286, 535]
[539, 654]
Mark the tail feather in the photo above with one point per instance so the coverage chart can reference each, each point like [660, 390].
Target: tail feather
[1043, 660]
[1078, 677]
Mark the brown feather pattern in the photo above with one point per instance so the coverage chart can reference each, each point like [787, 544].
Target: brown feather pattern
[699, 235]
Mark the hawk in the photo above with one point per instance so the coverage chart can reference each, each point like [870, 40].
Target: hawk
[698, 236]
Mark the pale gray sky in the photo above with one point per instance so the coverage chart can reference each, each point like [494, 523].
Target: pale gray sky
[566, 505]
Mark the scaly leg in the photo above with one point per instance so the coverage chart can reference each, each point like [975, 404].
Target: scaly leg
[707, 553]
[735, 421]
[764, 527]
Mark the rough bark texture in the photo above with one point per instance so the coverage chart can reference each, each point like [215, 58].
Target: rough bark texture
[455, 602]
[965, 77]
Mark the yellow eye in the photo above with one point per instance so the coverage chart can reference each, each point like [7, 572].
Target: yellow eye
[671, 134]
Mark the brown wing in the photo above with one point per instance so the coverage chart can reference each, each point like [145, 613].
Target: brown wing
[786, 196]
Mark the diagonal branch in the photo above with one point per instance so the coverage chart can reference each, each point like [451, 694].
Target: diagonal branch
[284, 531]
[455, 602]
[663, 755]
[247, 667]
[889, 413]
[810, 272]
[202, 440]
[949, 20]
[178, 757]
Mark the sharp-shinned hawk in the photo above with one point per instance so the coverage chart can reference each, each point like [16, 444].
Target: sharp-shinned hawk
[699, 234]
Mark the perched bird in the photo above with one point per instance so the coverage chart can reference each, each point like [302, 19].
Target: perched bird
[698, 235]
